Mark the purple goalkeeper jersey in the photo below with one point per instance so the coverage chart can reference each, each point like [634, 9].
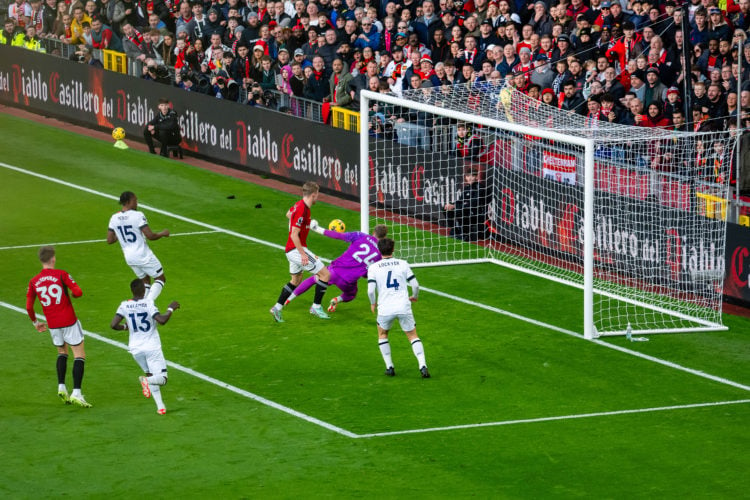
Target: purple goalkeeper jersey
[353, 263]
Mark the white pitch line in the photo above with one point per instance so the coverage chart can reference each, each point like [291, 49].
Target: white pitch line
[552, 419]
[442, 294]
[83, 242]
[602, 343]
[214, 381]
[141, 205]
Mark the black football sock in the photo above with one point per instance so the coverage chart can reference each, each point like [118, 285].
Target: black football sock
[320, 290]
[286, 292]
[77, 373]
[62, 368]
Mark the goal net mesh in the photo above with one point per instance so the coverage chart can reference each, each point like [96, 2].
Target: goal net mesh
[659, 199]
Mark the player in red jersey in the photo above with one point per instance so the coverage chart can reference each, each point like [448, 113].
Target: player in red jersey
[299, 257]
[51, 287]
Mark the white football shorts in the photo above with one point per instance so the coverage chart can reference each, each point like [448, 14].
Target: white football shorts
[152, 267]
[152, 362]
[405, 320]
[71, 335]
[314, 264]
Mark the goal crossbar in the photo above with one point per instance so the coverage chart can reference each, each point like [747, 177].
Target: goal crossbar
[587, 147]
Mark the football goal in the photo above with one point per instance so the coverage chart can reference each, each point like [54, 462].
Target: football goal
[619, 212]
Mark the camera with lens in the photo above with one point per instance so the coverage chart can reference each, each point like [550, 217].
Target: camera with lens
[202, 82]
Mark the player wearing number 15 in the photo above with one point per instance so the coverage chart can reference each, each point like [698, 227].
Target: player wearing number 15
[388, 278]
[51, 287]
[141, 316]
[130, 228]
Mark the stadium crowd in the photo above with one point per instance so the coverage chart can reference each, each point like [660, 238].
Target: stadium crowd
[619, 61]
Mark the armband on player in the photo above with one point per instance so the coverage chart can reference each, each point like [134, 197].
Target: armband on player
[169, 309]
[316, 227]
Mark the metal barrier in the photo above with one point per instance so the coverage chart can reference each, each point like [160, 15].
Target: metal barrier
[297, 106]
[57, 47]
[344, 118]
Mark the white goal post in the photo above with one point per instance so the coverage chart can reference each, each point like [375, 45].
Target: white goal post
[591, 205]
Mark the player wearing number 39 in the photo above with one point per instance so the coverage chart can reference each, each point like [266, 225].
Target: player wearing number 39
[350, 266]
[388, 278]
[130, 228]
[141, 316]
[51, 286]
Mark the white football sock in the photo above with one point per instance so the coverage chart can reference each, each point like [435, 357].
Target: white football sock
[385, 351]
[155, 290]
[156, 394]
[156, 380]
[418, 349]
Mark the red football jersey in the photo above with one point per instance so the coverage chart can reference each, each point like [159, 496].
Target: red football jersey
[301, 219]
[51, 287]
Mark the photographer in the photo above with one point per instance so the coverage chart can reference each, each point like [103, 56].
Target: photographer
[84, 55]
[194, 81]
[165, 128]
[255, 96]
[156, 73]
[182, 80]
[225, 88]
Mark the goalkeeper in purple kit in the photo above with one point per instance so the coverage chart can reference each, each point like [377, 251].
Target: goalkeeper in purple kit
[350, 266]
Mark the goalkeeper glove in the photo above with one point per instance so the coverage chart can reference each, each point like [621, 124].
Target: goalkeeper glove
[316, 227]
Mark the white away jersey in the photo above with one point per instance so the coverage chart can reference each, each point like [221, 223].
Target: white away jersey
[127, 227]
[139, 317]
[391, 277]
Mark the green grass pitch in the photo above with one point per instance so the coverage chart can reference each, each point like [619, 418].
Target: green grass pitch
[519, 406]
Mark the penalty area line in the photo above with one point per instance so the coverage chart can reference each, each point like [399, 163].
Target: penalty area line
[553, 419]
[83, 242]
[600, 342]
[211, 380]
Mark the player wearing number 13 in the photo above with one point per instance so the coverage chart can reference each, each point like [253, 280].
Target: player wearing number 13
[51, 287]
[141, 316]
[388, 278]
[130, 228]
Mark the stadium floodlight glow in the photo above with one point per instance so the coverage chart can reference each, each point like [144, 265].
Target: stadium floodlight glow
[627, 214]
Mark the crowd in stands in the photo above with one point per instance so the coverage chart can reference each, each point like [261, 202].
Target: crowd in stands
[619, 61]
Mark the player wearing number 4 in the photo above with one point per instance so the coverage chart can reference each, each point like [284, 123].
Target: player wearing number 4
[141, 316]
[350, 266]
[299, 257]
[388, 278]
[51, 286]
[130, 228]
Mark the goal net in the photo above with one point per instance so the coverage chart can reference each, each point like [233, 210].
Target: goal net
[630, 215]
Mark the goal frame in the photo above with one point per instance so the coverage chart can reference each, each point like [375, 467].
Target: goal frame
[589, 147]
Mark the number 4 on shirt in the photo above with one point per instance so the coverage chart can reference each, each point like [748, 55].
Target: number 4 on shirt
[391, 283]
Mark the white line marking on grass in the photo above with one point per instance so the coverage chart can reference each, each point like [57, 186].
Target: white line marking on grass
[503, 312]
[216, 382]
[442, 294]
[669, 364]
[552, 419]
[602, 343]
[82, 242]
[141, 205]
